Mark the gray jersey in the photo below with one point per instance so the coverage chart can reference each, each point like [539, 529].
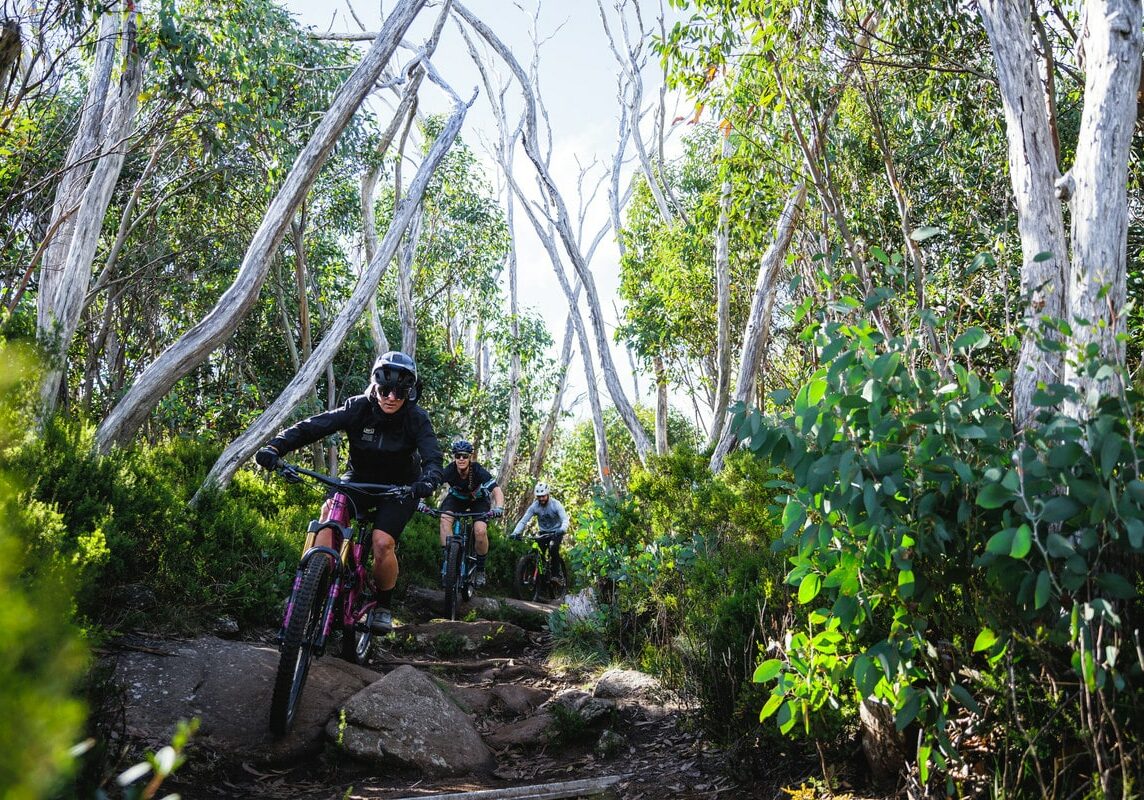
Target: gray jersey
[550, 518]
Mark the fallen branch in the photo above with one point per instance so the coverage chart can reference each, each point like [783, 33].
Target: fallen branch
[540, 791]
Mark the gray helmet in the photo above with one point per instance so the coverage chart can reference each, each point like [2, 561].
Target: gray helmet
[395, 370]
[541, 489]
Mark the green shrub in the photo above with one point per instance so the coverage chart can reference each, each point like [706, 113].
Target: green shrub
[924, 537]
[41, 654]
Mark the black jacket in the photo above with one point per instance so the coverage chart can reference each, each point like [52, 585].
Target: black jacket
[384, 448]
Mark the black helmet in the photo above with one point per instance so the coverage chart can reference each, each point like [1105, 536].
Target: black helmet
[395, 370]
[462, 446]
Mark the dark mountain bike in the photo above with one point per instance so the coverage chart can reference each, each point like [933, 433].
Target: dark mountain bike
[541, 574]
[460, 557]
[331, 592]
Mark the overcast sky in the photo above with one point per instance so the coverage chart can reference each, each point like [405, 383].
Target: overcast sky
[578, 81]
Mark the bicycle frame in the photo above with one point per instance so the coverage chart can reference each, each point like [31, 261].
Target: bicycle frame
[464, 538]
[349, 574]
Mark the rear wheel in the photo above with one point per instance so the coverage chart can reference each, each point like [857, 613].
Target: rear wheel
[453, 580]
[557, 578]
[524, 581]
[297, 646]
[356, 639]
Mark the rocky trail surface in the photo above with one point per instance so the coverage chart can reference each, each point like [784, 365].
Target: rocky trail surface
[467, 709]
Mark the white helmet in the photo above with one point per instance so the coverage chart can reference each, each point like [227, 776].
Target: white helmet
[541, 489]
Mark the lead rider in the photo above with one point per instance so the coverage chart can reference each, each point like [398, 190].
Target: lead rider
[391, 440]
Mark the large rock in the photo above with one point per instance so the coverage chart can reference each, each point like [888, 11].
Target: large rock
[227, 685]
[405, 719]
[628, 684]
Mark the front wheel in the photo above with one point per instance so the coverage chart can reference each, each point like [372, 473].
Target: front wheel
[297, 645]
[524, 580]
[453, 580]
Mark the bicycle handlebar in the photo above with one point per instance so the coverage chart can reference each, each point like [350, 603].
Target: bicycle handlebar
[438, 512]
[293, 473]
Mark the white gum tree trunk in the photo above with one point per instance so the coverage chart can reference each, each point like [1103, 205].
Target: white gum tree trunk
[1033, 173]
[78, 165]
[758, 319]
[722, 301]
[1098, 181]
[271, 420]
[66, 306]
[562, 222]
[121, 425]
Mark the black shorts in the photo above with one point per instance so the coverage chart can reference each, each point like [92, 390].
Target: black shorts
[390, 514]
[454, 503]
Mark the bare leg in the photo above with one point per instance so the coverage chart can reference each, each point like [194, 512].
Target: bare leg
[482, 531]
[384, 560]
[446, 528]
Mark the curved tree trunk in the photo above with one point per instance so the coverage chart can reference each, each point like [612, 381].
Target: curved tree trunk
[302, 384]
[563, 226]
[196, 344]
[758, 320]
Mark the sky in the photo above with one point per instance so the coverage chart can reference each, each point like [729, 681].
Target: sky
[578, 80]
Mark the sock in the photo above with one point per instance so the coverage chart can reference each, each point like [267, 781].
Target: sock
[384, 597]
[480, 562]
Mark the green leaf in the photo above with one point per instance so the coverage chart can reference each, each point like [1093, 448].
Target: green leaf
[1060, 508]
[1041, 593]
[1044, 255]
[909, 710]
[924, 232]
[1116, 586]
[768, 670]
[984, 640]
[971, 340]
[1000, 543]
[965, 698]
[1022, 542]
[994, 495]
[1060, 547]
[1110, 453]
[1135, 529]
[772, 705]
[809, 587]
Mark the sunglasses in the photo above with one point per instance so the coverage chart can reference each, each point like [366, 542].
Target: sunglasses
[462, 456]
[388, 389]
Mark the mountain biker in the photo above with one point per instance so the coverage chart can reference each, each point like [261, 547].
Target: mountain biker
[391, 440]
[470, 488]
[551, 518]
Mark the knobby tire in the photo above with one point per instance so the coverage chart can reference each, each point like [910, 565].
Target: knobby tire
[524, 582]
[294, 663]
[453, 580]
[355, 642]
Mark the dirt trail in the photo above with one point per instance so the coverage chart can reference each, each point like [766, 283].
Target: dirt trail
[646, 751]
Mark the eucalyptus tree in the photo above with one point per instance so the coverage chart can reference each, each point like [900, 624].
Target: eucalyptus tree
[1080, 277]
[92, 170]
[271, 420]
[178, 359]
